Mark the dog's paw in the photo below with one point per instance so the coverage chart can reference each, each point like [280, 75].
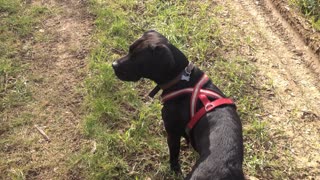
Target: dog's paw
[176, 169]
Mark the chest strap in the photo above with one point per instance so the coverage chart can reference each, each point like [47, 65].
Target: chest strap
[202, 94]
[208, 106]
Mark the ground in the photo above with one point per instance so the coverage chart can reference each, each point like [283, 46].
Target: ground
[57, 67]
[288, 76]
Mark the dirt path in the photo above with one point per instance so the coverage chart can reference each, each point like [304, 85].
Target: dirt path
[289, 85]
[57, 68]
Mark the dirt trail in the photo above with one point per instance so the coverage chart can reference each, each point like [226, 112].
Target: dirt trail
[57, 67]
[289, 84]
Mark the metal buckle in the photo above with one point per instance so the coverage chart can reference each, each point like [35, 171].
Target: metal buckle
[186, 70]
[209, 107]
[186, 75]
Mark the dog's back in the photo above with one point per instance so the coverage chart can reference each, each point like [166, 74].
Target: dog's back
[220, 146]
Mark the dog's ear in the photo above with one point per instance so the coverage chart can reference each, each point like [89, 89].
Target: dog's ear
[159, 49]
[163, 53]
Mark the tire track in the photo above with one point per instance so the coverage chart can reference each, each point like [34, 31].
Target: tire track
[289, 86]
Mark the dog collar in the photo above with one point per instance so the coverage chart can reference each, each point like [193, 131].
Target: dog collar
[183, 76]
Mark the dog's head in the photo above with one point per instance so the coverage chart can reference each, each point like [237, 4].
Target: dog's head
[151, 56]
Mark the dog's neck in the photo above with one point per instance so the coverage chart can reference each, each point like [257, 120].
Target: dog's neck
[195, 75]
[179, 83]
[183, 75]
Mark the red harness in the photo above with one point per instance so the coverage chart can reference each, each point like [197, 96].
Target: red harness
[202, 94]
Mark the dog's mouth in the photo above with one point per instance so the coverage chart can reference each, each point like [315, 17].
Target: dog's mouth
[123, 73]
[125, 76]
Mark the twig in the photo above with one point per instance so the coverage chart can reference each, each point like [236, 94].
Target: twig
[93, 150]
[42, 133]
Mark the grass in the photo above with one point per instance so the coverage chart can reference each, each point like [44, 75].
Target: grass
[16, 26]
[311, 9]
[127, 128]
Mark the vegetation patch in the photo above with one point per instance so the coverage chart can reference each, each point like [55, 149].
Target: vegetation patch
[16, 25]
[310, 8]
[17, 21]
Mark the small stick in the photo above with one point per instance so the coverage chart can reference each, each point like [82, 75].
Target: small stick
[42, 133]
[93, 150]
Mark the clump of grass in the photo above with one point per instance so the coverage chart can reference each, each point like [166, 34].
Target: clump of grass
[128, 129]
[310, 8]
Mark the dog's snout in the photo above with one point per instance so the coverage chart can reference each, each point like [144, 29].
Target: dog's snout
[115, 64]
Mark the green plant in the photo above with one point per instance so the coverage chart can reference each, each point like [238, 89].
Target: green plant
[310, 8]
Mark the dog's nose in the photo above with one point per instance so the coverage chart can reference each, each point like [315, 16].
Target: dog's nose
[115, 64]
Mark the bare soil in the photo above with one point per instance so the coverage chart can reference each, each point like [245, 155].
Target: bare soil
[302, 26]
[289, 84]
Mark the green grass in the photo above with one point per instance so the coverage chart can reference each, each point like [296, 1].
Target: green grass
[311, 9]
[17, 21]
[127, 128]
[16, 24]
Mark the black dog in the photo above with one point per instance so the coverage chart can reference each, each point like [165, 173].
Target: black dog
[217, 136]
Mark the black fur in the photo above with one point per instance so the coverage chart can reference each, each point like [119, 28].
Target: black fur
[217, 137]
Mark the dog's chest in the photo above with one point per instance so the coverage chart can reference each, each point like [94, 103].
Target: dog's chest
[176, 115]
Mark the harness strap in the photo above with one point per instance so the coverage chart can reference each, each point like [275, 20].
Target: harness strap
[189, 91]
[204, 99]
[194, 96]
[208, 106]
[198, 93]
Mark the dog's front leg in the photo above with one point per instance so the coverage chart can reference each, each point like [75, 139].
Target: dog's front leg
[174, 150]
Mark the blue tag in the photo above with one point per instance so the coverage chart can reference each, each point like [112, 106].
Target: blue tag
[185, 78]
